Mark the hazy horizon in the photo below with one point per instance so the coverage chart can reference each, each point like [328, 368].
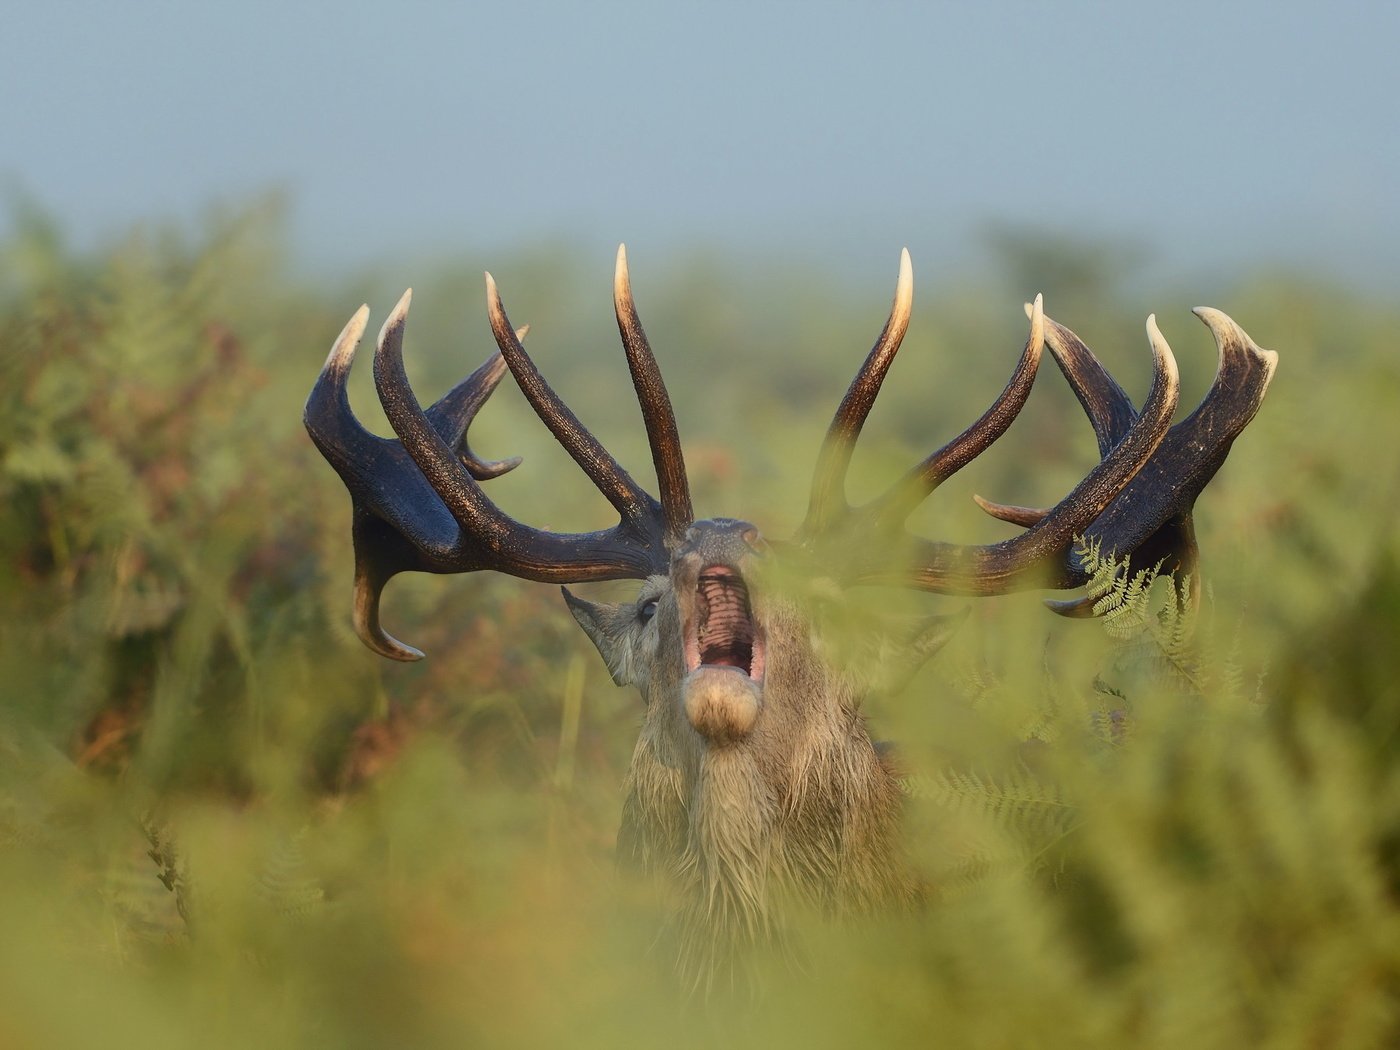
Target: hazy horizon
[1213, 139]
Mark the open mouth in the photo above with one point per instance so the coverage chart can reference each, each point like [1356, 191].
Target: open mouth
[721, 632]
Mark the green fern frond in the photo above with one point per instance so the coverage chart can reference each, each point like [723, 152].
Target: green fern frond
[1018, 803]
[287, 883]
[1155, 640]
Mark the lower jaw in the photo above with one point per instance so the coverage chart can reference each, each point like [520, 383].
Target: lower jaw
[721, 703]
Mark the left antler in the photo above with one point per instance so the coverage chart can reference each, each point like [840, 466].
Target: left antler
[1137, 501]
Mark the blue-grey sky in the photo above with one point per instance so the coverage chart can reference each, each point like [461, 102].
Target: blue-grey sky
[1217, 134]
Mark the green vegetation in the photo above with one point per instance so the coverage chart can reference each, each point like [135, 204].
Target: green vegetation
[223, 822]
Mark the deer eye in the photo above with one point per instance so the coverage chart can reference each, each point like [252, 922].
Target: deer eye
[646, 611]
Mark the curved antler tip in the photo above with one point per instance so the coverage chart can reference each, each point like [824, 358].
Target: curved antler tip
[365, 616]
[1154, 334]
[485, 470]
[389, 646]
[343, 349]
[493, 300]
[1229, 336]
[397, 650]
[1166, 360]
[1222, 327]
[1012, 515]
[622, 281]
[903, 291]
[397, 317]
[1035, 340]
[1073, 608]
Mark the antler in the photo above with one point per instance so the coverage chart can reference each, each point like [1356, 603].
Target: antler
[674, 511]
[1151, 520]
[827, 510]
[1137, 499]
[417, 502]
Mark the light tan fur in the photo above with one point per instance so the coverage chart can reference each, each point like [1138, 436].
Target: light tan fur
[798, 811]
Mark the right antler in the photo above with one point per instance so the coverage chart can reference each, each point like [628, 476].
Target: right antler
[1151, 518]
[1137, 500]
[417, 501]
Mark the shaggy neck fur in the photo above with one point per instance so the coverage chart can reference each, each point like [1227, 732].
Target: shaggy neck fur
[800, 812]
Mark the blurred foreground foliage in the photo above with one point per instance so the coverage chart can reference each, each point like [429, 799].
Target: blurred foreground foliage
[225, 823]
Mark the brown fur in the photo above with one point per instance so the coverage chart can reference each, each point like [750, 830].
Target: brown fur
[799, 811]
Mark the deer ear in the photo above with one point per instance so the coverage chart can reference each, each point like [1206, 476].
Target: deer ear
[609, 627]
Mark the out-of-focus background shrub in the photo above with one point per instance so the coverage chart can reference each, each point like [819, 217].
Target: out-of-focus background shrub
[225, 822]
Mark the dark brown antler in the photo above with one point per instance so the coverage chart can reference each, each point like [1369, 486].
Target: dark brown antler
[417, 501]
[828, 510]
[1138, 498]
[1150, 522]
[674, 510]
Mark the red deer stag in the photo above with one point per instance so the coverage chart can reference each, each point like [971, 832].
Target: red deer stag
[754, 779]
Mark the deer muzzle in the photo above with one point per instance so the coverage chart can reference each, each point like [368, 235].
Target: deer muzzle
[722, 690]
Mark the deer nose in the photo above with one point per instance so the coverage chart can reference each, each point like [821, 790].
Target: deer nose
[722, 541]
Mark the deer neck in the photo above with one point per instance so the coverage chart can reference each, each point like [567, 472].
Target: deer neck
[802, 807]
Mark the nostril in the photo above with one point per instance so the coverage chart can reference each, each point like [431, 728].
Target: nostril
[754, 539]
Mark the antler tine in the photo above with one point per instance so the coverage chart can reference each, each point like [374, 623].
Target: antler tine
[657, 414]
[916, 486]
[452, 411]
[328, 418]
[828, 496]
[1023, 516]
[439, 465]
[380, 553]
[637, 508]
[1109, 409]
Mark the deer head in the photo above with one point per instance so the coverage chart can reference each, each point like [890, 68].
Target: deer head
[754, 778]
